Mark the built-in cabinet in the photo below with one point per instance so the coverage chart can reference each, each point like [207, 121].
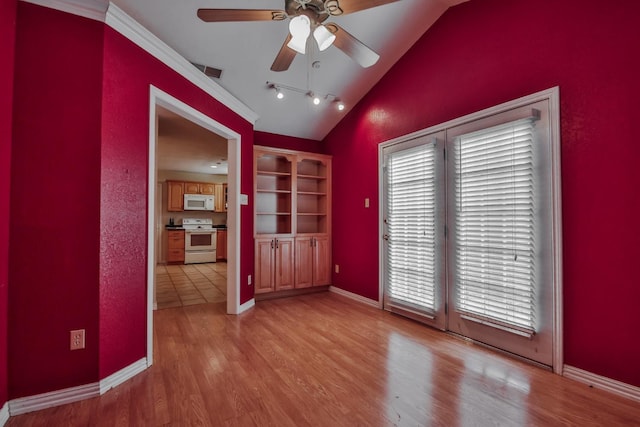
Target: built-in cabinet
[177, 189]
[199, 188]
[292, 219]
[221, 244]
[220, 197]
[175, 196]
[175, 252]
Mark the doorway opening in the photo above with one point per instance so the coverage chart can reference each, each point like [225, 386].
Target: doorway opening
[162, 100]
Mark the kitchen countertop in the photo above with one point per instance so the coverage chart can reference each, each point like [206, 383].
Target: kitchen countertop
[179, 227]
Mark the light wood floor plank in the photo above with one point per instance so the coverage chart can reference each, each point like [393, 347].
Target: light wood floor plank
[324, 360]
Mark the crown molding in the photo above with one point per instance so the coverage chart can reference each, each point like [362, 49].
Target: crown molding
[117, 19]
[92, 9]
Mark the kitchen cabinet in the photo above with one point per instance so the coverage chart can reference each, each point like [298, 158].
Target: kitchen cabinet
[199, 188]
[177, 189]
[292, 193]
[175, 249]
[221, 245]
[220, 197]
[312, 261]
[175, 196]
[274, 264]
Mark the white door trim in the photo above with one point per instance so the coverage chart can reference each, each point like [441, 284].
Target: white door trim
[158, 97]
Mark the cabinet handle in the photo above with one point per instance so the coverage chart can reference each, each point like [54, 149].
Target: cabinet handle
[271, 243]
[277, 244]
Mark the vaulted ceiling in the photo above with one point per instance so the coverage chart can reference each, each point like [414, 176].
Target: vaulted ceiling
[245, 51]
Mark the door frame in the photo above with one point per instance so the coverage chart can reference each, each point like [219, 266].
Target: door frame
[163, 99]
[552, 95]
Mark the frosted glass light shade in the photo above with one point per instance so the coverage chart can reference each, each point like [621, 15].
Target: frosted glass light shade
[323, 37]
[300, 28]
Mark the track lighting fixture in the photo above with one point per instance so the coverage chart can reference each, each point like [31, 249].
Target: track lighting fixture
[316, 98]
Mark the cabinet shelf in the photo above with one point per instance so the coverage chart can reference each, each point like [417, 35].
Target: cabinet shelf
[318, 177]
[311, 214]
[270, 173]
[268, 190]
[312, 193]
[273, 213]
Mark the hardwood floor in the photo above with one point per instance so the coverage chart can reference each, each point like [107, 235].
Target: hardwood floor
[324, 360]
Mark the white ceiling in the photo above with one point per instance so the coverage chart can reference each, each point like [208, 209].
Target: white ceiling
[246, 50]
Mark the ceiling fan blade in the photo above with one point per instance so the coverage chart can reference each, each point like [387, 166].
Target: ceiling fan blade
[235, 15]
[342, 7]
[352, 46]
[285, 56]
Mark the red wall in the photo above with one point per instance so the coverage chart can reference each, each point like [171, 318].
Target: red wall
[7, 43]
[128, 72]
[79, 198]
[483, 53]
[288, 142]
[55, 201]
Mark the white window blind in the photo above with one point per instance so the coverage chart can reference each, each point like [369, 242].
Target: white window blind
[411, 227]
[495, 239]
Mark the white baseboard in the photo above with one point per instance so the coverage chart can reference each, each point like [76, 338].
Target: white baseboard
[604, 383]
[246, 306]
[53, 398]
[73, 394]
[123, 375]
[4, 414]
[356, 297]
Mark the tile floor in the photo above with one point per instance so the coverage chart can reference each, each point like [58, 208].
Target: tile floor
[181, 285]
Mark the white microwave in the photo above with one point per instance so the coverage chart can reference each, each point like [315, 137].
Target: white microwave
[198, 202]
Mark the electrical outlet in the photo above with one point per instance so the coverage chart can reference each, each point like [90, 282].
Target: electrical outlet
[366, 202]
[249, 280]
[77, 339]
[337, 268]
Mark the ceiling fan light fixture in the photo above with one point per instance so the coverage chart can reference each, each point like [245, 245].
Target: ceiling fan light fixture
[300, 28]
[323, 37]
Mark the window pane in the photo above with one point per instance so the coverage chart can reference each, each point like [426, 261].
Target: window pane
[411, 227]
[495, 245]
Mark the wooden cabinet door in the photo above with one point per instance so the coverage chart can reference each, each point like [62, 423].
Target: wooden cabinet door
[206, 188]
[284, 263]
[219, 197]
[265, 263]
[191, 188]
[321, 261]
[221, 244]
[175, 246]
[175, 196]
[304, 262]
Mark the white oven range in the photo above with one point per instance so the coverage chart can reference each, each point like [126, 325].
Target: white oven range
[199, 240]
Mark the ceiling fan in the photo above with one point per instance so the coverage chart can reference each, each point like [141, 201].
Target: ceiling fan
[306, 16]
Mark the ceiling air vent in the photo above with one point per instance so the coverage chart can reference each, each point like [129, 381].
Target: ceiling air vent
[209, 71]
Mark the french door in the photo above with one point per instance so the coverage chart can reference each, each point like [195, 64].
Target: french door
[468, 235]
[414, 215]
